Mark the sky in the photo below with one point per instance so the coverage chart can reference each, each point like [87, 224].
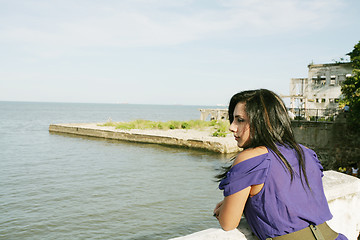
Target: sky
[189, 52]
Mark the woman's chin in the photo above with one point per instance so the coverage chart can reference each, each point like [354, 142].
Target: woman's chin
[243, 145]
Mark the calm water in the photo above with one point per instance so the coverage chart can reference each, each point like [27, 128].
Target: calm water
[56, 186]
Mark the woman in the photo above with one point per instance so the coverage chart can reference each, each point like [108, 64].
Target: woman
[274, 181]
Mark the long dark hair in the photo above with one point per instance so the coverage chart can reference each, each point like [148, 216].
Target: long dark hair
[270, 126]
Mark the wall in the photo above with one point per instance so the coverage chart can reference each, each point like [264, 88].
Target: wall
[335, 144]
[343, 194]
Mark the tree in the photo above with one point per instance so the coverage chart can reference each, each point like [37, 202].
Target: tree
[351, 89]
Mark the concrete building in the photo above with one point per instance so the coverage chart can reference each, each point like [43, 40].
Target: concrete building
[318, 94]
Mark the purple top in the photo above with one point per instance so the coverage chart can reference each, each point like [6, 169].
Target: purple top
[282, 206]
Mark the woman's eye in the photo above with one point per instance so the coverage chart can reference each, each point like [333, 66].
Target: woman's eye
[240, 120]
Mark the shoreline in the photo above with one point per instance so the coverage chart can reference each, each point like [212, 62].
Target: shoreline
[189, 138]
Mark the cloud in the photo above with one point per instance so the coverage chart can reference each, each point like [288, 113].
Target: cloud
[158, 22]
[256, 17]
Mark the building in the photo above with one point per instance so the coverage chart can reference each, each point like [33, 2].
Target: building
[214, 114]
[318, 94]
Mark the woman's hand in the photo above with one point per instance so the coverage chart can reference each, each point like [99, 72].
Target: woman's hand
[229, 210]
[217, 209]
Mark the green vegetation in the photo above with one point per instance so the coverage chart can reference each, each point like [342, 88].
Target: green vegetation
[351, 90]
[220, 128]
[322, 119]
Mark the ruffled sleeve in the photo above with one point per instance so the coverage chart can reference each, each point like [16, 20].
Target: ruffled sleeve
[252, 171]
[317, 161]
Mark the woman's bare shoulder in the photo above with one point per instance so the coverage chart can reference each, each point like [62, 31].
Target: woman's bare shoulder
[250, 153]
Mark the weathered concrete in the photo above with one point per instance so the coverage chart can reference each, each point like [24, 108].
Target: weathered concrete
[313, 134]
[176, 137]
[343, 194]
[334, 143]
[215, 114]
[321, 90]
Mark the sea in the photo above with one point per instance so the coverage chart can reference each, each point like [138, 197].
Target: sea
[60, 186]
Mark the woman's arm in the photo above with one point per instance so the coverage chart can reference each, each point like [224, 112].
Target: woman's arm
[230, 210]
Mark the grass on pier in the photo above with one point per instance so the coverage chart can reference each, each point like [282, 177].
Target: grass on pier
[220, 128]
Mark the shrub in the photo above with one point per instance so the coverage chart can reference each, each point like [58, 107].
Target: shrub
[222, 129]
[185, 125]
[219, 133]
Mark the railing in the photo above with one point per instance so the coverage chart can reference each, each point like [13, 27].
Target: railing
[309, 114]
[325, 114]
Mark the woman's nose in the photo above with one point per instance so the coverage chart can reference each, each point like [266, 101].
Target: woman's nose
[232, 127]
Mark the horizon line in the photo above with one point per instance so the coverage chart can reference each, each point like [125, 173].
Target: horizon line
[116, 103]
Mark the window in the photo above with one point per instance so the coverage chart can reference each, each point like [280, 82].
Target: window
[323, 80]
[323, 100]
[317, 100]
[314, 80]
[333, 80]
[336, 100]
[331, 100]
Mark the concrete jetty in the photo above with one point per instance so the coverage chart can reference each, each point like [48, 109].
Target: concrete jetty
[189, 138]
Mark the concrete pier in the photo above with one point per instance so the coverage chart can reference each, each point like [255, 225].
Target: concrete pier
[176, 137]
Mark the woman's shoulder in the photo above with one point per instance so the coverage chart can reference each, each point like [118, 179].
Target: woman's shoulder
[309, 151]
[250, 153]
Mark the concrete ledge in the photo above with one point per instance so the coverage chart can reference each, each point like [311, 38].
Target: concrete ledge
[214, 234]
[338, 185]
[343, 194]
[243, 232]
[177, 137]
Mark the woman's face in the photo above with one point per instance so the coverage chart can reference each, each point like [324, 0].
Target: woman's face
[240, 125]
